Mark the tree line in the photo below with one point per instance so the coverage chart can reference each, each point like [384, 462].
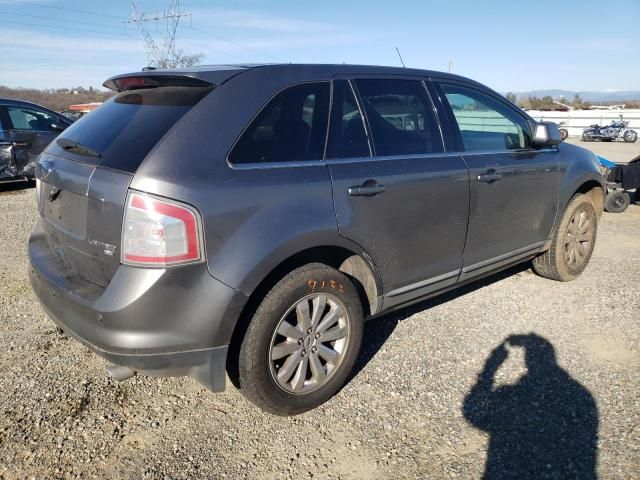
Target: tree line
[546, 103]
[57, 99]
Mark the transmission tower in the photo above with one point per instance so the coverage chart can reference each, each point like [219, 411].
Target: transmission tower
[161, 52]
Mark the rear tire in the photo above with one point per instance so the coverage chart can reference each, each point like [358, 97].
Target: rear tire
[302, 342]
[616, 202]
[585, 138]
[572, 242]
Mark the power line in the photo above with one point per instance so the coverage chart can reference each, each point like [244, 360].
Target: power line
[75, 10]
[63, 28]
[61, 20]
[235, 43]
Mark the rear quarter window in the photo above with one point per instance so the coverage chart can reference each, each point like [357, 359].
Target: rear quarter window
[126, 127]
[292, 127]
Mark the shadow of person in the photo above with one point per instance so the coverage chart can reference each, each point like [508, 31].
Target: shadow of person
[544, 426]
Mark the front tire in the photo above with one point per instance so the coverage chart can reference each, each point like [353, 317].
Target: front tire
[572, 242]
[630, 136]
[564, 133]
[585, 137]
[302, 342]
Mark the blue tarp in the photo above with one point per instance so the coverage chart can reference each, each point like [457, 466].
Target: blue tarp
[605, 163]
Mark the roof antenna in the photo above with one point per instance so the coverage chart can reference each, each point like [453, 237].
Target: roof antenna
[400, 56]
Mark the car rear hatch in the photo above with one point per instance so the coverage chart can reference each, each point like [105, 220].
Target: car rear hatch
[83, 176]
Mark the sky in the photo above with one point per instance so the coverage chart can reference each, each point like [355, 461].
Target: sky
[507, 45]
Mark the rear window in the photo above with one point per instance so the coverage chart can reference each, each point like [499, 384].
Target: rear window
[128, 126]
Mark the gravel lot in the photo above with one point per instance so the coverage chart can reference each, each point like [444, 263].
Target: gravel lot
[403, 415]
[615, 151]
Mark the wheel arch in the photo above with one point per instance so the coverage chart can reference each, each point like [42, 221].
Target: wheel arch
[581, 175]
[353, 262]
[595, 191]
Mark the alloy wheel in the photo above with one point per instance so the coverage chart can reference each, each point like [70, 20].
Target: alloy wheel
[578, 239]
[309, 343]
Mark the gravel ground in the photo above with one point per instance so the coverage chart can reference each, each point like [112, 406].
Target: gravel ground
[618, 152]
[409, 412]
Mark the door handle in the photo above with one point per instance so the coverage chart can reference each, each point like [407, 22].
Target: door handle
[367, 189]
[489, 177]
[20, 144]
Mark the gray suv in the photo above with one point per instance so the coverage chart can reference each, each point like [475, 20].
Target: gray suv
[248, 219]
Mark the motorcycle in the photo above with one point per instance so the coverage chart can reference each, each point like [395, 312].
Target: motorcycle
[617, 129]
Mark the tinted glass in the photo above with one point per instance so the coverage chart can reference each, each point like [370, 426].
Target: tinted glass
[292, 127]
[400, 117]
[29, 119]
[2, 127]
[485, 123]
[129, 125]
[347, 137]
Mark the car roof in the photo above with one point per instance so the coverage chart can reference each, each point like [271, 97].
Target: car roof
[217, 74]
[19, 103]
[23, 103]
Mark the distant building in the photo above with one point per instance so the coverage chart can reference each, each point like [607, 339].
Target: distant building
[607, 107]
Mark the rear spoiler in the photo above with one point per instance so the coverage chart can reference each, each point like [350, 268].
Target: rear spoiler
[132, 82]
[205, 76]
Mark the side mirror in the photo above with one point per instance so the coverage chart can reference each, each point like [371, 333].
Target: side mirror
[58, 128]
[547, 135]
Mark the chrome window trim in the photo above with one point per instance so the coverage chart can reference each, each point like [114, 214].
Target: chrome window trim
[522, 151]
[435, 115]
[33, 131]
[393, 158]
[268, 165]
[363, 116]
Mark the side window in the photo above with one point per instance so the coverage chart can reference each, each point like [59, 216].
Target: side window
[347, 137]
[484, 122]
[291, 127]
[29, 119]
[400, 117]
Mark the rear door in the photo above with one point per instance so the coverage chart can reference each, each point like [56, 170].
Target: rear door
[31, 130]
[397, 192]
[513, 187]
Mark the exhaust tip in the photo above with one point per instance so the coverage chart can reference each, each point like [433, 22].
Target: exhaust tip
[120, 373]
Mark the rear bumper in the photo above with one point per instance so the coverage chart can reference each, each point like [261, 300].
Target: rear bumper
[160, 322]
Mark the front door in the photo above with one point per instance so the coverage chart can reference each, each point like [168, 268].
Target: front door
[7, 168]
[513, 187]
[397, 193]
[31, 131]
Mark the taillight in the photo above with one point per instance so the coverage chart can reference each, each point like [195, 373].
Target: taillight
[159, 232]
[129, 83]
